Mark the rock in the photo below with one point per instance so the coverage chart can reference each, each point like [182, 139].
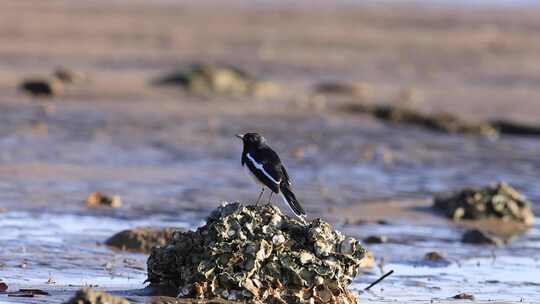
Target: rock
[478, 237]
[141, 239]
[68, 76]
[515, 128]
[256, 253]
[498, 201]
[442, 122]
[464, 296]
[44, 87]
[375, 239]
[99, 200]
[88, 296]
[218, 79]
[435, 258]
[3, 287]
[360, 90]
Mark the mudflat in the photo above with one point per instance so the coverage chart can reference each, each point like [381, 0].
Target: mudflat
[171, 155]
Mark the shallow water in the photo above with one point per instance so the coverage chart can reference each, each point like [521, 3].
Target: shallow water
[48, 235]
[65, 248]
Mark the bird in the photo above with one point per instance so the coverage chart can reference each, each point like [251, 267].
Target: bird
[265, 167]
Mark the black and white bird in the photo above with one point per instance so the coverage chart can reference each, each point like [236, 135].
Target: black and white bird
[264, 165]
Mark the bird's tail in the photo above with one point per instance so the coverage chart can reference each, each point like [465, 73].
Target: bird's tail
[289, 197]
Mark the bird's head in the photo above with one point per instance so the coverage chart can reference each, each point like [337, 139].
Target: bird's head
[251, 139]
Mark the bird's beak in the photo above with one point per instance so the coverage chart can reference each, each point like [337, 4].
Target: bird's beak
[241, 136]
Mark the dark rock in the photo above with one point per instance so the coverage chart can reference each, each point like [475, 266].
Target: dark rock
[442, 122]
[256, 253]
[44, 87]
[141, 239]
[499, 201]
[515, 128]
[337, 88]
[464, 296]
[89, 296]
[3, 287]
[478, 237]
[375, 239]
[27, 293]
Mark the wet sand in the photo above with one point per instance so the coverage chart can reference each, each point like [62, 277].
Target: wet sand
[172, 156]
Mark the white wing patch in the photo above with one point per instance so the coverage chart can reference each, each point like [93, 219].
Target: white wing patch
[261, 168]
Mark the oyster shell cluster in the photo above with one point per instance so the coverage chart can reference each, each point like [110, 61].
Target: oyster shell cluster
[257, 253]
[497, 201]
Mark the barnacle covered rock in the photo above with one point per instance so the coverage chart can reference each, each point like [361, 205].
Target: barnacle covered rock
[218, 79]
[258, 253]
[497, 201]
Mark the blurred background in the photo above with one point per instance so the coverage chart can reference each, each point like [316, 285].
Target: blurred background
[373, 106]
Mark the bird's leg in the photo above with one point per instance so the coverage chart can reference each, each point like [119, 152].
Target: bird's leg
[270, 197]
[259, 198]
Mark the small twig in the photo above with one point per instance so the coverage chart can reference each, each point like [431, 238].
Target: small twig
[379, 280]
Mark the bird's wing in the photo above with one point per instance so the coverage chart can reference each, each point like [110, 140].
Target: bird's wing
[266, 168]
[285, 175]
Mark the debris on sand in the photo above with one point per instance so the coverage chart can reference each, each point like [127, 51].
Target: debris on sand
[141, 239]
[258, 253]
[368, 261]
[478, 237]
[435, 258]
[218, 79]
[99, 200]
[89, 296]
[464, 296]
[497, 201]
[515, 128]
[375, 239]
[442, 122]
[43, 87]
[69, 76]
